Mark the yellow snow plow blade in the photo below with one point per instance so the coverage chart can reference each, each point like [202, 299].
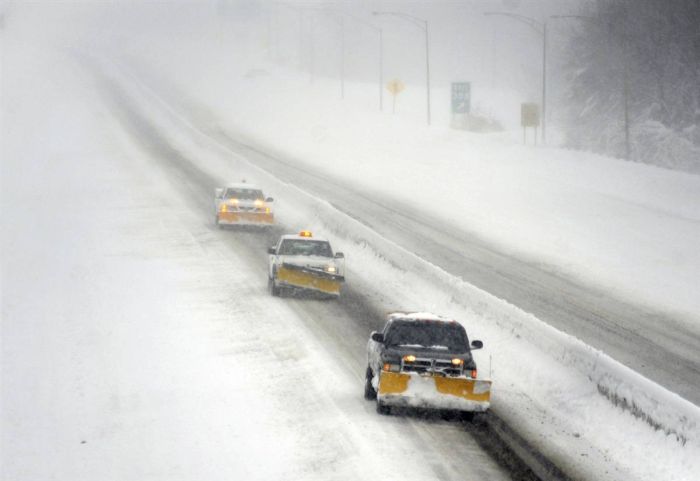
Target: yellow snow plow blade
[393, 382]
[401, 384]
[246, 218]
[307, 279]
[464, 388]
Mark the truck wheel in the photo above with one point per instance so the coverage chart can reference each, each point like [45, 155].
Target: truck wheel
[370, 393]
[216, 221]
[383, 409]
[274, 290]
[467, 416]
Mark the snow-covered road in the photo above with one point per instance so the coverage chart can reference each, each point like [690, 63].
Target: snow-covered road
[144, 111]
[139, 342]
[645, 339]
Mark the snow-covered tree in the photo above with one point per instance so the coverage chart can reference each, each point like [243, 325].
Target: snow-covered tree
[633, 76]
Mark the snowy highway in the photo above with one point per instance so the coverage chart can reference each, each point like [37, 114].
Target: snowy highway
[175, 361]
[338, 327]
[139, 340]
[646, 339]
[357, 313]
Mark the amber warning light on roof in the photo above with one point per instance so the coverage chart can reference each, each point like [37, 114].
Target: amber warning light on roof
[305, 233]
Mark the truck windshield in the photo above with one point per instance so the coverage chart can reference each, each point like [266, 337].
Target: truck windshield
[298, 247]
[427, 335]
[244, 194]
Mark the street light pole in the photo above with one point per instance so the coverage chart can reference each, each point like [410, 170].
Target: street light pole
[301, 38]
[541, 28]
[544, 83]
[381, 70]
[342, 58]
[626, 89]
[312, 53]
[427, 69]
[423, 25]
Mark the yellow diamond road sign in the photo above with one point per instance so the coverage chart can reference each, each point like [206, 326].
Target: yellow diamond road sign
[395, 86]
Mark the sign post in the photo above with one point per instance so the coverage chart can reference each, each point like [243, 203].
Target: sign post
[529, 117]
[461, 103]
[395, 87]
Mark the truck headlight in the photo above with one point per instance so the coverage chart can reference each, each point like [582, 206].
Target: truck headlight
[330, 269]
[389, 367]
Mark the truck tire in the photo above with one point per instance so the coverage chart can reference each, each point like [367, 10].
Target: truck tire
[274, 290]
[370, 392]
[383, 409]
[467, 416]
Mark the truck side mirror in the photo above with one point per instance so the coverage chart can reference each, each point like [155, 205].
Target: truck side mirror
[339, 255]
[271, 250]
[269, 199]
[476, 344]
[218, 193]
[377, 337]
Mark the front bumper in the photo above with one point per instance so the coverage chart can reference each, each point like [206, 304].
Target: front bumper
[245, 218]
[433, 391]
[299, 277]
